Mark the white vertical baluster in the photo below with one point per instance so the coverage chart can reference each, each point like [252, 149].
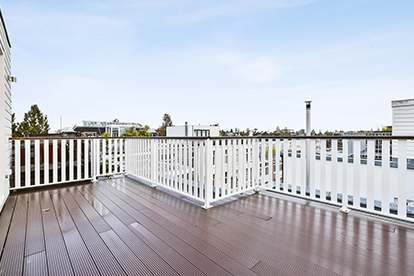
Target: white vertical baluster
[255, 162]
[270, 160]
[86, 158]
[202, 169]
[303, 167]
[122, 159]
[177, 164]
[55, 161]
[277, 164]
[286, 173]
[46, 161]
[78, 159]
[385, 185]
[71, 164]
[263, 163]
[370, 174]
[334, 171]
[344, 207]
[223, 167]
[63, 160]
[110, 156]
[180, 165]
[402, 178]
[209, 176]
[323, 170]
[187, 163]
[153, 156]
[196, 168]
[116, 156]
[294, 157]
[242, 164]
[27, 165]
[312, 168]
[37, 161]
[103, 151]
[248, 160]
[17, 164]
[234, 164]
[356, 173]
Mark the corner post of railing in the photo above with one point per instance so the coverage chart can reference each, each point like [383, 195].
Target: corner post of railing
[95, 159]
[208, 187]
[344, 208]
[154, 161]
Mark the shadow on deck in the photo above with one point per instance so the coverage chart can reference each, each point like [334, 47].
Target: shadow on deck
[122, 227]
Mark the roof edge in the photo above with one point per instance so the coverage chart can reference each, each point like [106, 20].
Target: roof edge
[5, 29]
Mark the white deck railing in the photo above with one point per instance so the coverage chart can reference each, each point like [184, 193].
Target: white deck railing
[48, 161]
[212, 169]
[351, 172]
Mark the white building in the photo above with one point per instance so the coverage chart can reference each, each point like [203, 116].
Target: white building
[6, 109]
[193, 131]
[96, 128]
[403, 124]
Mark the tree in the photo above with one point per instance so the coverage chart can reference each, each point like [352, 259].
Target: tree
[14, 124]
[144, 131]
[166, 122]
[34, 123]
[386, 128]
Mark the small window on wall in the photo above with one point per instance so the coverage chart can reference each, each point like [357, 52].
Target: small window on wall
[114, 133]
[202, 133]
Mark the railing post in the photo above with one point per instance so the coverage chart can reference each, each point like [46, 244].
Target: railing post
[344, 208]
[95, 159]
[154, 155]
[208, 186]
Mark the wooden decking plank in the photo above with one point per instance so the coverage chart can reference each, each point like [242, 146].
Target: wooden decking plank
[79, 255]
[35, 241]
[11, 262]
[200, 245]
[58, 261]
[5, 219]
[95, 218]
[192, 255]
[250, 241]
[171, 258]
[126, 257]
[197, 233]
[341, 250]
[35, 264]
[128, 260]
[102, 256]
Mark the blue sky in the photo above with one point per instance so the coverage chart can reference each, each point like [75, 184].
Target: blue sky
[244, 63]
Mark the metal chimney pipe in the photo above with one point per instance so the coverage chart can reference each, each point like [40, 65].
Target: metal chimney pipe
[308, 118]
[308, 133]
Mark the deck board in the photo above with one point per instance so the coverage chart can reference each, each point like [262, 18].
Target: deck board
[122, 227]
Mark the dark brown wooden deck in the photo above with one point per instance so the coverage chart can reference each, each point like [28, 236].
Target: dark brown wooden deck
[122, 227]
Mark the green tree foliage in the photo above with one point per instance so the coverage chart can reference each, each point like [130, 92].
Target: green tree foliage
[34, 123]
[144, 131]
[106, 134]
[14, 124]
[386, 128]
[166, 122]
[133, 132]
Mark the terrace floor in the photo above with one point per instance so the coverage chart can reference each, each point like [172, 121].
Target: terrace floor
[122, 227]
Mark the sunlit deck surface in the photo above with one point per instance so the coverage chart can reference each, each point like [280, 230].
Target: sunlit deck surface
[122, 227]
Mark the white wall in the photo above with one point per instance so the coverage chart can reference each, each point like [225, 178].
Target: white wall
[179, 131]
[403, 124]
[6, 111]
